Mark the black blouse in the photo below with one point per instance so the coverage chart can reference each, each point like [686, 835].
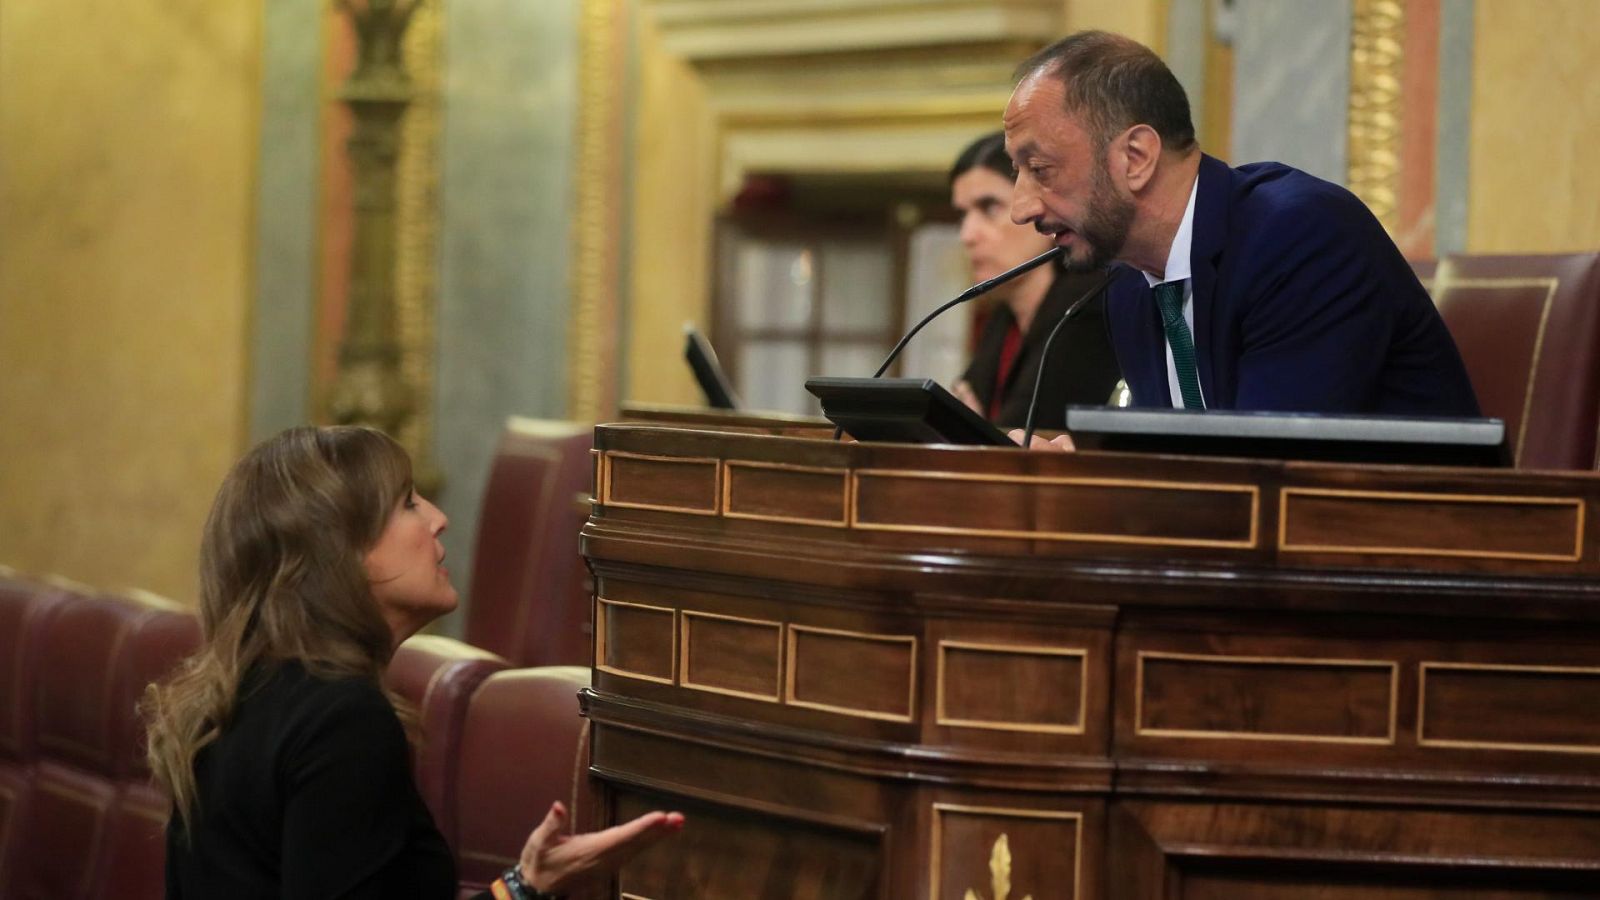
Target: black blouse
[1082, 369]
[308, 794]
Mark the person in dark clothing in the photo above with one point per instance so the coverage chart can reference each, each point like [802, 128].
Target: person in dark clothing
[999, 381]
[285, 757]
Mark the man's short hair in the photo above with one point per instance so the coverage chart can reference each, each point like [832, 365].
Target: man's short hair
[1114, 83]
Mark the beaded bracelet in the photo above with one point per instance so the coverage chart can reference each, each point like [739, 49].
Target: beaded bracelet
[510, 886]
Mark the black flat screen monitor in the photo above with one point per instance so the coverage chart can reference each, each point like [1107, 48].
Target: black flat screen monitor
[1407, 440]
[907, 410]
[707, 371]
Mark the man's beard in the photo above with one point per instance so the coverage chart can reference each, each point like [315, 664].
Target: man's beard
[1105, 225]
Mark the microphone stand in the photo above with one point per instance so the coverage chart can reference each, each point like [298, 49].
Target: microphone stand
[1044, 354]
[977, 290]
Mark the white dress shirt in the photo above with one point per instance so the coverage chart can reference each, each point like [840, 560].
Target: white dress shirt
[1179, 269]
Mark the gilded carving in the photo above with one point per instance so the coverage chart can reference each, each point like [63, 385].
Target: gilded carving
[417, 220]
[593, 333]
[999, 872]
[378, 381]
[1376, 51]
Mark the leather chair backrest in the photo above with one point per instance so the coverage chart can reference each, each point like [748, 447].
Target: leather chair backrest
[530, 596]
[90, 824]
[524, 746]
[438, 676]
[1528, 328]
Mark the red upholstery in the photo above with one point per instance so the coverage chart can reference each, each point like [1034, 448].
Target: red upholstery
[87, 823]
[1529, 331]
[438, 676]
[79, 818]
[523, 747]
[530, 588]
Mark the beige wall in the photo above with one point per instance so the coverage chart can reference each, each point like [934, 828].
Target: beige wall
[127, 145]
[1535, 152]
[1143, 20]
[674, 166]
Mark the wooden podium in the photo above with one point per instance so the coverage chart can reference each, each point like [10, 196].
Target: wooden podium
[885, 671]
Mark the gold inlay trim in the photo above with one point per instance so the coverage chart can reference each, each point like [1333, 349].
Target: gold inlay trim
[937, 838]
[1249, 543]
[1412, 496]
[716, 487]
[844, 493]
[1377, 42]
[416, 236]
[683, 657]
[1422, 709]
[592, 336]
[1140, 729]
[792, 633]
[603, 626]
[1444, 280]
[1076, 727]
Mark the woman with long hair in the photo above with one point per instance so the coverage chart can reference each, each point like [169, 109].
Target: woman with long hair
[285, 757]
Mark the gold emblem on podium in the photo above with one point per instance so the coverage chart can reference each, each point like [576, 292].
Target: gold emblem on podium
[999, 872]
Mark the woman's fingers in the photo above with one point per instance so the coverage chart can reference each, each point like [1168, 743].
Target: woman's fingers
[561, 865]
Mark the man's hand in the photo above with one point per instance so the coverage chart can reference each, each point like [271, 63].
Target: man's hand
[560, 863]
[1061, 442]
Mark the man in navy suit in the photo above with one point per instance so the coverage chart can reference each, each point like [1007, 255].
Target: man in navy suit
[1258, 288]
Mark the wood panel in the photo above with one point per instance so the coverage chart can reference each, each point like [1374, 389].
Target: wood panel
[852, 673]
[772, 492]
[636, 641]
[666, 483]
[1041, 689]
[862, 665]
[1165, 514]
[1509, 707]
[1417, 524]
[992, 851]
[1350, 701]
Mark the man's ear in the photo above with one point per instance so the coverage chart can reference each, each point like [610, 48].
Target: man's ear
[1140, 151]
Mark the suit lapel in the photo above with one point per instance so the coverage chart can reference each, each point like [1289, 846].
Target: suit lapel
[1210, 230]
[1131, 307]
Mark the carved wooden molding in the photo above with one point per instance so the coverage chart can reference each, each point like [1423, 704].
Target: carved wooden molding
[706, 30]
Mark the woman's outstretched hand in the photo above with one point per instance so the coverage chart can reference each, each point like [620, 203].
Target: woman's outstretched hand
[560, 863]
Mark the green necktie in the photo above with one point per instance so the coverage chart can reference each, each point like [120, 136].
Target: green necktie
[1169, 297]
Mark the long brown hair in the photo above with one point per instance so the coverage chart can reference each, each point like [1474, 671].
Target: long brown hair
[281, 578]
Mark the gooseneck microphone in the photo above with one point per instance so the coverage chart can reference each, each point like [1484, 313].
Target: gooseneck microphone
[1044, 354]
[971, 293]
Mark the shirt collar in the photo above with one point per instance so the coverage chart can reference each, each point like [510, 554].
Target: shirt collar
[1178, 265]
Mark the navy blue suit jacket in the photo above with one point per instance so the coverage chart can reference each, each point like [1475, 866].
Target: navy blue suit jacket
[1301, 303]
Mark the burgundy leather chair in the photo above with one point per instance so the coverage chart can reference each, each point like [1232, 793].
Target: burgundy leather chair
[1528, 328]
[86, 822]
[530, 588]
[438, 676]
[23, 606]
[524, 746]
